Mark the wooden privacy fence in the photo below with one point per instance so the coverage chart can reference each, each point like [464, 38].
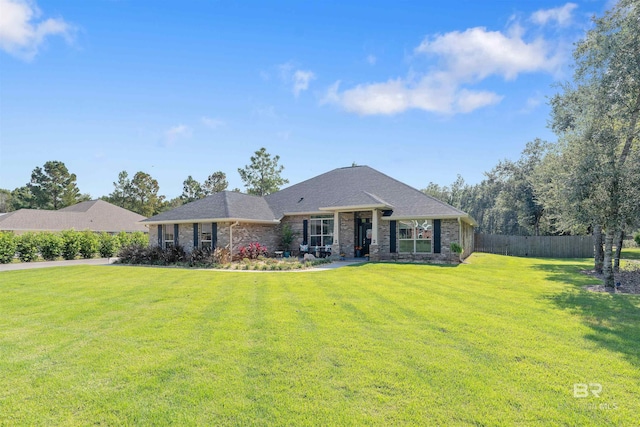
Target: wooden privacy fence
[535, 246]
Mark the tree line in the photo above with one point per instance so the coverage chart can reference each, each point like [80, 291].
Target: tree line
[53, 187]
[589, 180]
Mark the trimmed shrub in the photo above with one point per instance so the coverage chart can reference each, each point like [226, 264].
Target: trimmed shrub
[200, 257]
[253, 251]
[456, 248]
[70, 244]
[151, 255]
[123, 239]
[7, 247]
[107, 245]
[221, 256]
[27, 247]
[139, 238]
[50, 245]
[129, 254]
[173, 255]
[88, 244]
[126, 239]
[637, 238]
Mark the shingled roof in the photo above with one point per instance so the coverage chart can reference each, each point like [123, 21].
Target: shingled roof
[94, 215]
[344, 189]
[223, 206]
[360, 187]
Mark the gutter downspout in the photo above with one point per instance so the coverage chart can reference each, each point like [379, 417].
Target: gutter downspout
[231, 236]
[460, 236]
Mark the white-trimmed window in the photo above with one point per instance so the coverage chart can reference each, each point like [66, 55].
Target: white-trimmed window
[205, 235]
[321, 231]
[415, 236]
[167, 236]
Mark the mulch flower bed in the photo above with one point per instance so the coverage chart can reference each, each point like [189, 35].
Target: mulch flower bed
[628, 277]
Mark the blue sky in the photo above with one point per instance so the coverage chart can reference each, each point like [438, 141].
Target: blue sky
[420, 90]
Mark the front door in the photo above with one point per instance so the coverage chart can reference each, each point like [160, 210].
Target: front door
[363, 235]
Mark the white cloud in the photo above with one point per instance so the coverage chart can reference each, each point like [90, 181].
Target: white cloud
[391, 97]
[562, 15]
[371, 59]
[477, 53]
[21, 34]
[176, 132]
[432, 93]
[533, 102]
[212, 123]
[301, 81]
[462, 59]
[469, 100]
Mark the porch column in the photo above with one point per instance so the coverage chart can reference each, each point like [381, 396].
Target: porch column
[374, 227]
[335, 252]
[374, 254]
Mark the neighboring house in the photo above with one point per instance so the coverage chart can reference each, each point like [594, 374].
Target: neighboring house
[94, 215]
[356, 210]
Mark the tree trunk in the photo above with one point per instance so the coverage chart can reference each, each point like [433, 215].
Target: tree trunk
[616, 259]
[598, 253]
[607, 269]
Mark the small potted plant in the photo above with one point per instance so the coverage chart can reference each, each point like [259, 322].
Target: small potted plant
[358, 251]
[287, 238]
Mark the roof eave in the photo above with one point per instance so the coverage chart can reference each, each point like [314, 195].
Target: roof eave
[200, 220]
[468, 219]
[303, 213]
[354, 208]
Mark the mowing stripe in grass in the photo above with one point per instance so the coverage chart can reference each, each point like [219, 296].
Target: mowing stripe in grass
[497, 341]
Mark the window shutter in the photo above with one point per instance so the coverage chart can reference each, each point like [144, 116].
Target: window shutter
[305, 232]
[160, 235]
[214, 235]
[175, 234]
[436, 236]
[392, 236]
[195, 234]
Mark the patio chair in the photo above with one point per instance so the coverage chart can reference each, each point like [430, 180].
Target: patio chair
[304, 249]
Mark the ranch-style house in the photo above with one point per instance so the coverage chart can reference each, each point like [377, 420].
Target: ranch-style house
[353, 212]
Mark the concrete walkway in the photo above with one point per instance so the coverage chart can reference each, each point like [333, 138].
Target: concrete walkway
[47, 264]
[107, 261]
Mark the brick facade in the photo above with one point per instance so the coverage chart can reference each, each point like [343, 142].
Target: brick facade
[270, 236]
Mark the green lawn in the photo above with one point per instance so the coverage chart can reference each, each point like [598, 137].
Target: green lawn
[497, 341]
[630, 253]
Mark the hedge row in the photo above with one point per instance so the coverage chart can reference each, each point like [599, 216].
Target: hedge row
[67, 244]
[175, 255]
